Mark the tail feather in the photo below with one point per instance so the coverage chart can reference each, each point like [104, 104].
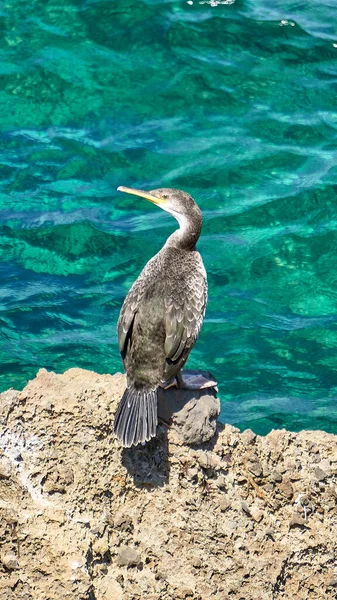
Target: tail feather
[136, 417]
[130, 413]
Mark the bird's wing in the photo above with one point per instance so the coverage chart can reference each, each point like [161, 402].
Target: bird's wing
[126, 317]
[132, 304]
[184, 315]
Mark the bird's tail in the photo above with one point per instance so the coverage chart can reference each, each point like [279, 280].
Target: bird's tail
[136, 417]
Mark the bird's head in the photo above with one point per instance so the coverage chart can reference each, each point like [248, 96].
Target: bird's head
[176, 202]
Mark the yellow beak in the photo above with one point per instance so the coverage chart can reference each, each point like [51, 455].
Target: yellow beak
[142, 194]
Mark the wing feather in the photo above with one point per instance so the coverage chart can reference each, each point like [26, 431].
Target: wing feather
[127, 316]
[185, 308]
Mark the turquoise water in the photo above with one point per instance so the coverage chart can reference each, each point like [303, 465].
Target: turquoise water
[235, 103]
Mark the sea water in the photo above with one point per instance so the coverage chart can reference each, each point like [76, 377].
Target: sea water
[232, 101]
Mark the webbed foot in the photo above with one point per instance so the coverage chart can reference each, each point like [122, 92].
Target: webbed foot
[190, 380]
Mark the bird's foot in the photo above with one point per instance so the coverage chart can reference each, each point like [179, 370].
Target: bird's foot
[194, 381]
[165, 385]
[190, 381]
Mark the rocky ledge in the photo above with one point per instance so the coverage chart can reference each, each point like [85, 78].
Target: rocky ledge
[239, 517]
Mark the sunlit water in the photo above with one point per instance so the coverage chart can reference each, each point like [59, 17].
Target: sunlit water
[234, 102]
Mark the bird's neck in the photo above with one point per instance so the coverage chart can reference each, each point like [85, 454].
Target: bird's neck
[188, 233]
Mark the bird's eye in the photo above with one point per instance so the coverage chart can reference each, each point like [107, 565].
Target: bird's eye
[164, 196]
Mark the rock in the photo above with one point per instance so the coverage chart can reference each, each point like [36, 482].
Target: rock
[10, 561]
[224, 503]
[184, 592]
[8, 399]
[193, 412]
[128, 557]
[256, 513]
[5, 468]
[161, 575]
[107, 588]
[252, 511]
[275, 476]
[333, 491]
[325, 465]
[276, 442]
[124, 522]
[208, 461]
[268, 488]
[197, 562]
[286, 488]
[100, 547]
[192, 474]
[245, 508]
[266, 470]
[224, 535]
[304, 502]
[255, 467]
[248, 437]
[297, 521]
[234, 440]
[58, 480]
[313, 447]
[221, 482]
[320, 474]
[269, 533]
[240, 544]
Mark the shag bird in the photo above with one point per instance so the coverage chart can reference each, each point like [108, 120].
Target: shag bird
[161, 318]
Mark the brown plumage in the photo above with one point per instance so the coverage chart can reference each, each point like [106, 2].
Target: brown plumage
[161, 317]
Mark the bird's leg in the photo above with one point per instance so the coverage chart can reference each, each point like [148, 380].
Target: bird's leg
[194, 381]
[180, 381]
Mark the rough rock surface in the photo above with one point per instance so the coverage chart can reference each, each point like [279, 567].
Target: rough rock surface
[242, 517]
[193, 413]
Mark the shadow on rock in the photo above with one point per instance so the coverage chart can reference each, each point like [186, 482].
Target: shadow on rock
[148, 465]
[192, 414]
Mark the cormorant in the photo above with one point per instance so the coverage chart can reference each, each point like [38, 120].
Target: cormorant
[161, 318]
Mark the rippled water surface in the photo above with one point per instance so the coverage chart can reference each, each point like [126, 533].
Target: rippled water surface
[235, 103]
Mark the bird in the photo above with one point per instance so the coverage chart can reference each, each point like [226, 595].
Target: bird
[160, 319]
